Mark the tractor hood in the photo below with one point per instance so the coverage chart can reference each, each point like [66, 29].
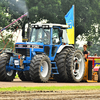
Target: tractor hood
[29, 45]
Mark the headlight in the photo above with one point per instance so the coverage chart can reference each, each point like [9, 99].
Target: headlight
[45, 26]
[20, 46]
[28, 46]
[36, 46]
[36, 26]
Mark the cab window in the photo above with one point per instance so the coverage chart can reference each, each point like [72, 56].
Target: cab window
[55, 38]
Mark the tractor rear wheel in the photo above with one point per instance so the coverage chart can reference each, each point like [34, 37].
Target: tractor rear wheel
[27, 75]
[61, 60]
[40, 68]
[21, 76]
[6, 75]
[75, 66]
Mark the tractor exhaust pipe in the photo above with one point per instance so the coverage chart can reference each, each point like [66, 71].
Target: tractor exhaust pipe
[25, 38]
[28, 30]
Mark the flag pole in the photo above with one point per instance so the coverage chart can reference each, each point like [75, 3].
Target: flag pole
[26, 14]
[74, 25]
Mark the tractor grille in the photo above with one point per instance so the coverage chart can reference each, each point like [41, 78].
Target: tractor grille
[25, 52]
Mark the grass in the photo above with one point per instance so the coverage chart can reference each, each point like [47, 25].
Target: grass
[51, 88]
[16, 76]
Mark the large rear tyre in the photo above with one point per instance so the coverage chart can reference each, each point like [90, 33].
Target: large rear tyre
[27, 75]
[75, 66]
[24, 75]
[61, 60]
[21, 76]
[4, 74]
[40, 68]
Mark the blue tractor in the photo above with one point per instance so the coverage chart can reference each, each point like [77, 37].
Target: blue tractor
[45, 54]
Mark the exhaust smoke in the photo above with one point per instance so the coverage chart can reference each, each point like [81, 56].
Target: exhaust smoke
[18, 6]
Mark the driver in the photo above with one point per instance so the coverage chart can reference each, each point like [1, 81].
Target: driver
[43, 37]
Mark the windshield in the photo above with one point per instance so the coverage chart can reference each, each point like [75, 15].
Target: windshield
[40, 35]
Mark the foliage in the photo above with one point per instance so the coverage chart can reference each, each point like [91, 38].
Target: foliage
[94, 36]
[95, 48]
[6, 38]
[4, 16]
[86, 12]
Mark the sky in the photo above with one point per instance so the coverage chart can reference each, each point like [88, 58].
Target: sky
[80, 42]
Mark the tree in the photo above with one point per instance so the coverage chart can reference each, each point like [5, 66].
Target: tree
[8, 13]
[94, 36]
[4, 41]
[4, 16]
[86, 12]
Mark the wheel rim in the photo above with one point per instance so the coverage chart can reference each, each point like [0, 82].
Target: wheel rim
[44, 69]
[10, 73]
[78, 68]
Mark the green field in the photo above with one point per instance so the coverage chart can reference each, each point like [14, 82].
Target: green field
[51, 88]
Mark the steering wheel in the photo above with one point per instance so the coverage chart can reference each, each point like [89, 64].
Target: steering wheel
[40, 40]
[45, 40]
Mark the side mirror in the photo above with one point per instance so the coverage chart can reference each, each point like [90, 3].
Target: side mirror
[60, 33]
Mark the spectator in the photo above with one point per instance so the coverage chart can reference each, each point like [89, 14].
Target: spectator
[95, 55]
[85, 52]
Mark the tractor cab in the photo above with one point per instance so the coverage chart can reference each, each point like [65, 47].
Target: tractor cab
[45, 38]
[51, 35]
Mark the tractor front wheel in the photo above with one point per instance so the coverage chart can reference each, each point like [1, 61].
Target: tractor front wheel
[6, 75]
[40, 68]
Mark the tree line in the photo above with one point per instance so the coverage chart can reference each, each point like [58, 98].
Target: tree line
[87, 12]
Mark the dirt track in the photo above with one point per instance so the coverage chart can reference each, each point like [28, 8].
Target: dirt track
[48, 95]
[18, 82]
[52, 95]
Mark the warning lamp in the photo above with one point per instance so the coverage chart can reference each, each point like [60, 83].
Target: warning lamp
[64, 43]
[18, 56]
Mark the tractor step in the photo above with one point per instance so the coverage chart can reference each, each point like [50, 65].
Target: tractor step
[54, 68]
[55, 73]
